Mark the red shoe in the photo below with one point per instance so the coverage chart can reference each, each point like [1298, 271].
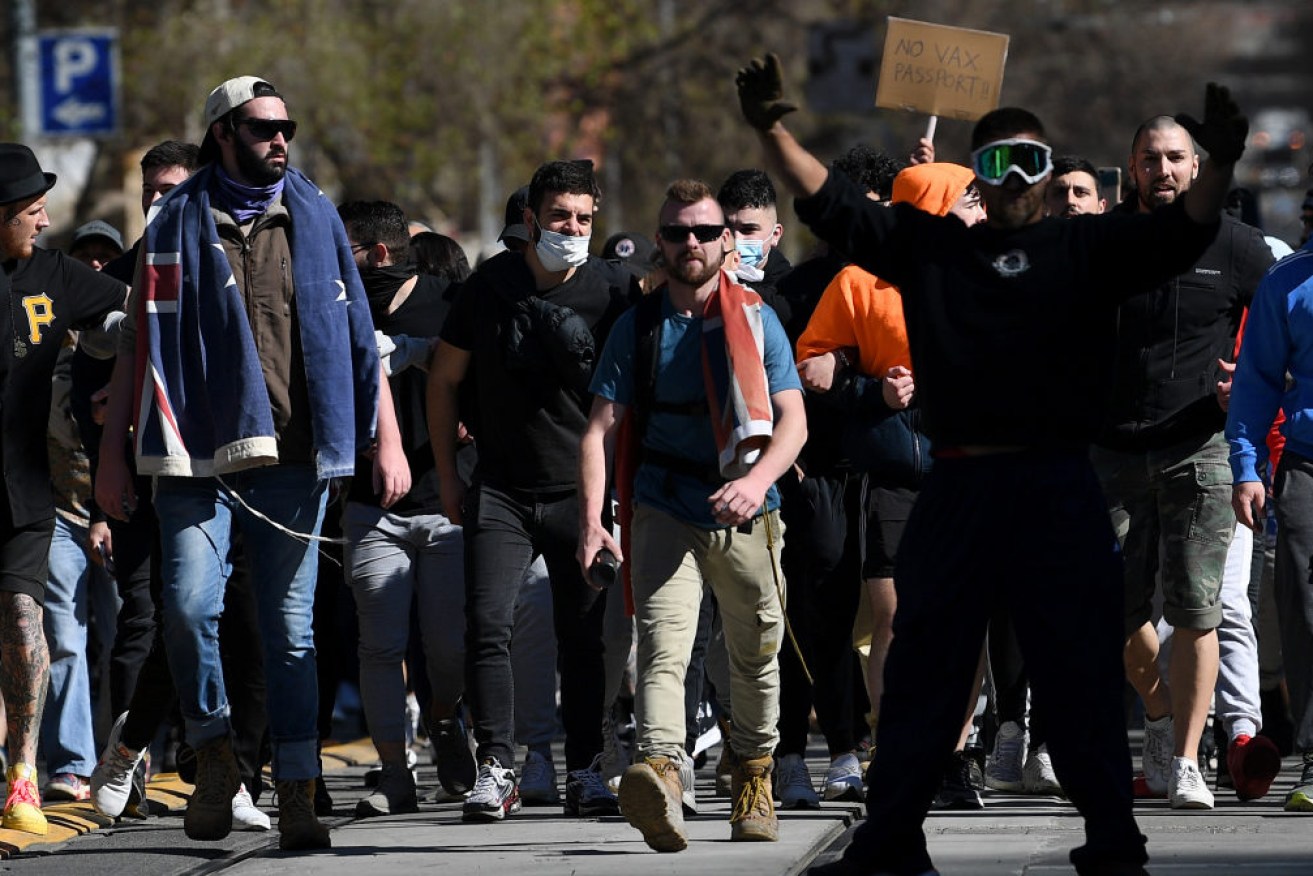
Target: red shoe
[1253, 762]
[1141, 791]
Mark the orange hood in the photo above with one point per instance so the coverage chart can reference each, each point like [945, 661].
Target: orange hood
[933, 188]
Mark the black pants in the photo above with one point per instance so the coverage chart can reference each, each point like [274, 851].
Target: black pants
[1028, 532]
[134, 542]
[822, 564]
[504, 531]
[1008, 669]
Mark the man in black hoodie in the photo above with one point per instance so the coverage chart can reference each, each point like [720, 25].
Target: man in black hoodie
[523, 330]
[1163, 462]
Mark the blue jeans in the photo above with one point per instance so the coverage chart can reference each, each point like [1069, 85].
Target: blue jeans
[197, 516]
[66, 732]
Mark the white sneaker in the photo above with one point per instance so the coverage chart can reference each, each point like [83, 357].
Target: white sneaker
[615, 755]
[245, 814]
[688, 778]
[1004, 771]
[793, 784]
[538, 781]
[1157, 757]
[111, 780]
[1187, 788]
[843, 780]
[1037, 776]
[494, 795]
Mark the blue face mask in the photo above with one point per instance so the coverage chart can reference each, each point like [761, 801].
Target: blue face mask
[751, 251]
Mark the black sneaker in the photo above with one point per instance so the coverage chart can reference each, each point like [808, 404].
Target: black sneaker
[586, 793]
[956, 790]
[451, 744]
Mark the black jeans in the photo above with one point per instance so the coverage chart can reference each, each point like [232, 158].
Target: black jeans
[1028, 532]
[1011, 682]
[504, 530]
[822, 564]
[135, 559]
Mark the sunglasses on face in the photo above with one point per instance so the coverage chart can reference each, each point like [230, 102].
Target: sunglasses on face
[680, 233]
[1028, 159]
[266, 129]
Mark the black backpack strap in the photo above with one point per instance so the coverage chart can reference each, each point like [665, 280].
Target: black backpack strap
[647, 348]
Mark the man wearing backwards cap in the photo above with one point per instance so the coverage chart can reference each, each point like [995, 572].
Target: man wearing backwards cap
[257, 382]
[1011, 325]
[46, 294]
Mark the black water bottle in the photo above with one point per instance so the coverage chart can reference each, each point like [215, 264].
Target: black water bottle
[604, 570]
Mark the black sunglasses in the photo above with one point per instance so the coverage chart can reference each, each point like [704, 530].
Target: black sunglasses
[267, 129]
[680, 233]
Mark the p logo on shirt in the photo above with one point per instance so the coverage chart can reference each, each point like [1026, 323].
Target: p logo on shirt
[40, 313]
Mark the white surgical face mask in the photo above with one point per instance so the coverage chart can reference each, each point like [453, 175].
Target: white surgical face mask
[751, 251]
[558, 252]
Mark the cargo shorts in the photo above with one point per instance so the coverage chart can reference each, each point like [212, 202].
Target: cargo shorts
[1171, 509]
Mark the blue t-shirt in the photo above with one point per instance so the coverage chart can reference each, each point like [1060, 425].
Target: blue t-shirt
[679, 382]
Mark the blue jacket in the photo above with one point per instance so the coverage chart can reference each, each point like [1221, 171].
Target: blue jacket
[1278, 339]
[203, 409]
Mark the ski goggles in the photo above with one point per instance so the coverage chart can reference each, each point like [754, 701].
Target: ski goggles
[1028, 159]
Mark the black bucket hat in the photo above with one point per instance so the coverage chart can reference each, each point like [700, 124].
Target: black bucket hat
[21, 176]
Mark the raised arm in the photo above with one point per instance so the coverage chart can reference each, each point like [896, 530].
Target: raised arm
[761, 93]
[1222, 135]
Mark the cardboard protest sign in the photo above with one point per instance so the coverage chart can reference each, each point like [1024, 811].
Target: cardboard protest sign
[946, 71]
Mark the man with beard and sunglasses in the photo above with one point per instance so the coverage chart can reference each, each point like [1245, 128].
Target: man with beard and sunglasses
[704, 506]
[1011, 325]
[250, 352]
[1162, 459]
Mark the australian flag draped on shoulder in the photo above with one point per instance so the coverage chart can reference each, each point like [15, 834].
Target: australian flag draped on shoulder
[201, 404]
[733, 350]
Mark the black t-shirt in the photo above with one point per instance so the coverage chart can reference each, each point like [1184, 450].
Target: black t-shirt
[529, 419]
[421, 315]
[1011, 332]
[46, 295]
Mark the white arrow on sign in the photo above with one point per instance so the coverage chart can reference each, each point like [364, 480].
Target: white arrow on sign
[74, 113]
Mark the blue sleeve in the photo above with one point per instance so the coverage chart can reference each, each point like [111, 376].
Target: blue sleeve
[1260, 379]
[781, 372]
[613, 379]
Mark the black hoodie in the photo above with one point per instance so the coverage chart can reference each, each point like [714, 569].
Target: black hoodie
[1169, 339]
[530, 418]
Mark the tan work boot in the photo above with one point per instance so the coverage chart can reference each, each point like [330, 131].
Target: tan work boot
[298, 828]
[210, 810]
[754, 810]
[651, 795]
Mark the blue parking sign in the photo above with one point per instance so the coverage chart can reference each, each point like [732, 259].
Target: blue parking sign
[79, 82]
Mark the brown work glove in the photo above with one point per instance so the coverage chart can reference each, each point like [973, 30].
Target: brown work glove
[760, 91]
[1224, 129]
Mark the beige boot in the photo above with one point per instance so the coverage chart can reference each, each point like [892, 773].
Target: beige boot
[298, 828]
[651, 795]
[210, 810]
[754, 810]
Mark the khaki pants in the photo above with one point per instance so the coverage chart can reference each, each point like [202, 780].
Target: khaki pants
[670, 562]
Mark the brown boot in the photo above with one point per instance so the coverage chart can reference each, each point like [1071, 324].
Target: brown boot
[210, 809]
[298, 828]
[754, 811]
[651, 800]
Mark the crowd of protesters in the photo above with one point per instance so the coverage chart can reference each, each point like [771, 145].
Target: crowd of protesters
[994, 435]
